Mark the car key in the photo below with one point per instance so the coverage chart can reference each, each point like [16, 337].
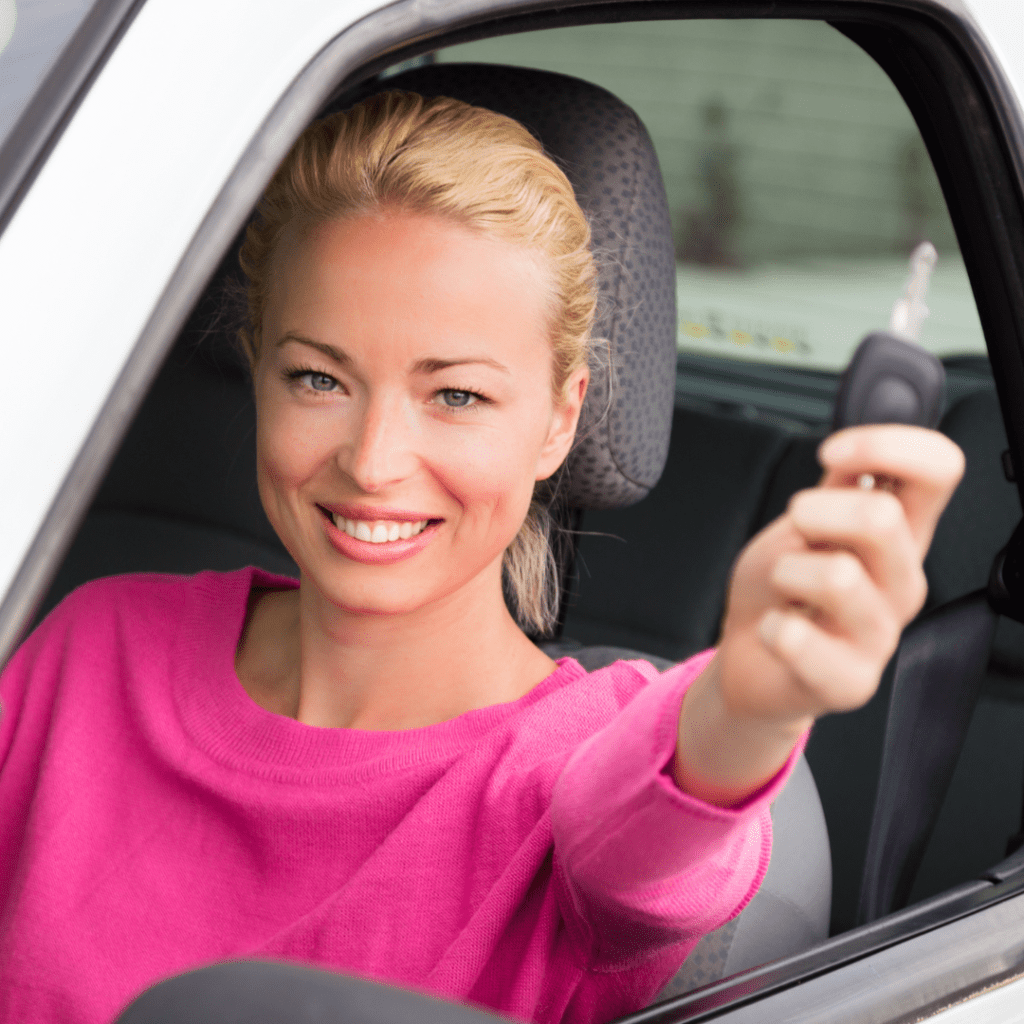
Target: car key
[891, 379]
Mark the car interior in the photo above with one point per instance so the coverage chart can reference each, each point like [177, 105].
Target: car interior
[755, 188]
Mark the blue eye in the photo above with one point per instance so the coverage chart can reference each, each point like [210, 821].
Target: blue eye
[315, 380]
[455, 399]
[459, 399]
[320, 381]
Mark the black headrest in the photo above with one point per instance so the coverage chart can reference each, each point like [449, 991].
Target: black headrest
[606, 153]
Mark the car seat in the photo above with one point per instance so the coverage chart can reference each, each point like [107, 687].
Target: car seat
[181, 494]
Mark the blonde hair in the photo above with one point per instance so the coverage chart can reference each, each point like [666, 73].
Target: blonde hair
[397, 150]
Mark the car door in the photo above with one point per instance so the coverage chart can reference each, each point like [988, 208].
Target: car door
[125, 197]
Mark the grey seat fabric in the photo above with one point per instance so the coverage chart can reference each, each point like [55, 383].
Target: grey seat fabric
[791, 910]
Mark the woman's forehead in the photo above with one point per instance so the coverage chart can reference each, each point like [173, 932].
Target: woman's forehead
[407, 276]
[406, 238]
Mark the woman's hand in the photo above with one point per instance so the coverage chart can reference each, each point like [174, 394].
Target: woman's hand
[816, 605]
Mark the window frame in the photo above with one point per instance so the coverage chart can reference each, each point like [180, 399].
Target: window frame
[940, 64]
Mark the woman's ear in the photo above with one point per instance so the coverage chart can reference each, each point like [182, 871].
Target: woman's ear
[564, 418]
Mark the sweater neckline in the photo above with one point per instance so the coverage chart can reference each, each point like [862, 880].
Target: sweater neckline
[222, 718]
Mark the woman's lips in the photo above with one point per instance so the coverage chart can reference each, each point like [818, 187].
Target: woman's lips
[381, 552]
[370, 513]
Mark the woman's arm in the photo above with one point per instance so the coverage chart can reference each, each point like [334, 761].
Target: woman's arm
[816, 606]
[641, 865]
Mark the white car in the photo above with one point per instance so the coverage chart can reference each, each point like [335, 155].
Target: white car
[806, 147]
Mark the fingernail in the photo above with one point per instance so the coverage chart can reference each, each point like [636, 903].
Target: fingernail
[770, 625]
[835, 448]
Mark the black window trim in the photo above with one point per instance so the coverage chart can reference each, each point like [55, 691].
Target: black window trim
[937, 60]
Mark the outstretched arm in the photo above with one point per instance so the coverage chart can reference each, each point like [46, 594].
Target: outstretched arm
[816, 605]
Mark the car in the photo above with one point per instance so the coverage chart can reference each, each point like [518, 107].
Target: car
[806, 146]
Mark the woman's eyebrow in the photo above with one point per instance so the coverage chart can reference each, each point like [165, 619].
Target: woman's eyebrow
[340, 357]
[432, 365]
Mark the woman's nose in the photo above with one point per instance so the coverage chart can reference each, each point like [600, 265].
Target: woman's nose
[382, 451]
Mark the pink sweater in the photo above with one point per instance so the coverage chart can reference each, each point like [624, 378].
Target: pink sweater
[534, 857]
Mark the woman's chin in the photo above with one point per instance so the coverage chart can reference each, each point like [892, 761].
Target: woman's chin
[376, 601]
[377, 596]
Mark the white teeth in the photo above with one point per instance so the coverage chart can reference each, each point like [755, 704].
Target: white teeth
[379, 532]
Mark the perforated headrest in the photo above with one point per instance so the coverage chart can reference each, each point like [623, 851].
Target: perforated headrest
[606, 153]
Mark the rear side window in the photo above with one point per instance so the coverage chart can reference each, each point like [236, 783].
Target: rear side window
[797, 181]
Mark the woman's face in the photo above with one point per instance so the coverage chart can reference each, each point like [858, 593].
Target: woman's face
[404, 406]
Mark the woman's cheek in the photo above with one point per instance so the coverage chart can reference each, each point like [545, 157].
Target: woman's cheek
[489, 477]
[292, 445]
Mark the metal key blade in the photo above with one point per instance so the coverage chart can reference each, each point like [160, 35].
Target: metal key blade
[910, 312]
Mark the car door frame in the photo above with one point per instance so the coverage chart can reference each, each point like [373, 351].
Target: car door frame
[941, 63]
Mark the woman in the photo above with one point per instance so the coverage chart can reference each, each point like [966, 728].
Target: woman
[375, 770]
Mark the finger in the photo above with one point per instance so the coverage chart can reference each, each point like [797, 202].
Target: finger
[835, 674]
[836, 592]
[873, 526]
[924, 465]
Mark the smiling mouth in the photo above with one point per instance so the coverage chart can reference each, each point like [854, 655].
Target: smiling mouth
[377, 531]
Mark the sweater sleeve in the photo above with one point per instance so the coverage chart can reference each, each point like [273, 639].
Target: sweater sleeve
[640, 864]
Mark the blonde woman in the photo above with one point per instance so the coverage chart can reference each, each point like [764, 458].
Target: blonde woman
[374, 770]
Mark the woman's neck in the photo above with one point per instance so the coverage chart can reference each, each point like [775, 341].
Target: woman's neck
[302, 657]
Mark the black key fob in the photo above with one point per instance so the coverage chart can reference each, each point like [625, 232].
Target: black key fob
[890, 380]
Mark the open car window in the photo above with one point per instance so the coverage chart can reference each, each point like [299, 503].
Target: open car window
[798, 184]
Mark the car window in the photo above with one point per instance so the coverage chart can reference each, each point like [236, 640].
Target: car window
[798, 185]
[32, 35]
[797, 181]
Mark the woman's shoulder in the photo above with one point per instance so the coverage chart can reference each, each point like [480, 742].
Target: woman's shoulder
[594, 690]
[148, 602]
[146, 592]
[130, 623]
